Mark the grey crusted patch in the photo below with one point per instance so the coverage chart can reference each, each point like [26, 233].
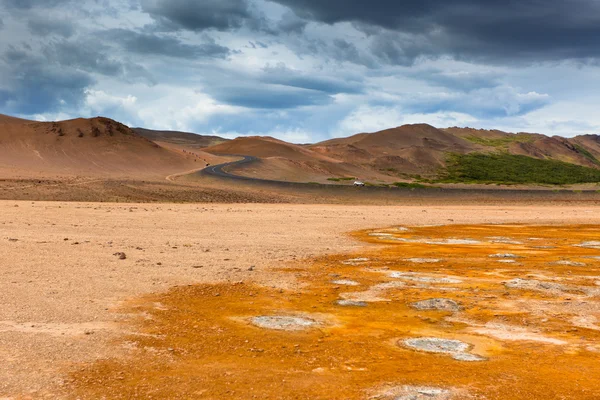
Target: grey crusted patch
[351, 303]
[409, 392]
[283, 323]
[437, 304]
[437, 345]
[504, 255]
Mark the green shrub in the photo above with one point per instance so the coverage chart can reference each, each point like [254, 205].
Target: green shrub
[409, 185]
[340, 179]
[507, 168]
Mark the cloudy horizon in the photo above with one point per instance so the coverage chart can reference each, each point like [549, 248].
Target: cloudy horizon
[304, 70]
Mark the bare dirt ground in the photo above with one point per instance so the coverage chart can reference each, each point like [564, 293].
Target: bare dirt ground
[64, 277]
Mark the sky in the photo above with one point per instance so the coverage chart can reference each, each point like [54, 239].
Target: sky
[304, 70]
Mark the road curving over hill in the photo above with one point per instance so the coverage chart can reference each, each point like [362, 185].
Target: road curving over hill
[220, 172]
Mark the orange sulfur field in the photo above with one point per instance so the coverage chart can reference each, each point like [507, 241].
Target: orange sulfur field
[440, 312]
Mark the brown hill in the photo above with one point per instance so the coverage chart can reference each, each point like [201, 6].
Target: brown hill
[83, 147]
[581, 150]
[180, 139]
[409, 149]
[289, 162]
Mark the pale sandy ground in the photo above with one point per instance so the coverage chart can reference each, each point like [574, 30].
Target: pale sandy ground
[61, 282]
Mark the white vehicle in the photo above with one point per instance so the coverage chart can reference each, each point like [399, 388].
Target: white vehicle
[359, 183]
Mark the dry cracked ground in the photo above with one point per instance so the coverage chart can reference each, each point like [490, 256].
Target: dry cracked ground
[284, 302]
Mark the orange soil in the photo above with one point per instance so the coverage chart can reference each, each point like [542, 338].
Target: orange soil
[197, 342]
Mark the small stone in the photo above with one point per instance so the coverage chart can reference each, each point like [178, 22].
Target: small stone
[121, 255]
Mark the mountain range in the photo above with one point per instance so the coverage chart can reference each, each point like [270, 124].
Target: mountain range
[103, 147]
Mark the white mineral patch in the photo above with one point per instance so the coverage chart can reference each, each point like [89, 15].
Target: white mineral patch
[346, 282]
[590, 245]
[504, 240]
[423, 260]
[514, 333]
[569, 263]
[410, 276]
[380, 234]
[355, 261]
[468, 357]
[374, 294]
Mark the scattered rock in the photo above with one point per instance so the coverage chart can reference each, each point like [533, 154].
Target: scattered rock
[506, 261]
[283, 323]
[251, 268]
[437, 304]
[121, 255]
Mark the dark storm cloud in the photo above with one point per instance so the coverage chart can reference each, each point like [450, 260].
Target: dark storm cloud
[281, 75]
[41, 26]
[198, 15]
[94, 57]
[37, 87]
[494, 29]
[28, 4]
[266, 96]
[150, 43]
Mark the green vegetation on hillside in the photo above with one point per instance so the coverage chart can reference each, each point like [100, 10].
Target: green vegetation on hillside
[501, 142]
[587, 154]
[340, 179]
[410, 185]
[507, 168]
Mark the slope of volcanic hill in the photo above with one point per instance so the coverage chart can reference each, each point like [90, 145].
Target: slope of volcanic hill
[412, 149]
[580, 150]
[280, 160]
[180, 139]
[83, 147]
